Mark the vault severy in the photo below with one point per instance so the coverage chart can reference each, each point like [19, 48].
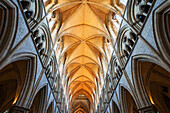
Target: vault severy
[83, 32]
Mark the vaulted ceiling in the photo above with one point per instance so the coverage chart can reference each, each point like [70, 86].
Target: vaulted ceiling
[81, 32]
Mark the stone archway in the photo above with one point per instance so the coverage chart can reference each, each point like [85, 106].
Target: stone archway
[161, 19]
[152, 85]
[12, 79]
[8, 26]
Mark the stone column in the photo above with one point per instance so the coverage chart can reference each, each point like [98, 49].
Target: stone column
[148, 109]
[18, 109]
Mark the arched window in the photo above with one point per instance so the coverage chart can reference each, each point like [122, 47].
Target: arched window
[54, 21]
[109, 88]
[51, 72]
[115, 20]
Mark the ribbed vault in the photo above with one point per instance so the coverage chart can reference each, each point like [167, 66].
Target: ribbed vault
[83, 47]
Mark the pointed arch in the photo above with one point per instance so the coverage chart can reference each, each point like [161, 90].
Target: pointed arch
[153, 82]
[8, 21]
[161, 33]
[127, 100]
[20, 70]
[40, 98]
[115, 108]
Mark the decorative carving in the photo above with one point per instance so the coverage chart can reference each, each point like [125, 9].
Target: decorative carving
[51, 72]
[126, 43]
[116, 72]
[41, 39]
[139, 10]
[40, 42]
[33, 10]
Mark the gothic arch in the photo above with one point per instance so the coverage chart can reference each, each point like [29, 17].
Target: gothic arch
[16, 81]
[40, 98]
[115, 108]
[128, 102]
[151, 83]
[138, 85]
[162, 28]
[8, 22]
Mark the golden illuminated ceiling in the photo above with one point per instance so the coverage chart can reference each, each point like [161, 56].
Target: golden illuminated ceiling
[83, 44]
